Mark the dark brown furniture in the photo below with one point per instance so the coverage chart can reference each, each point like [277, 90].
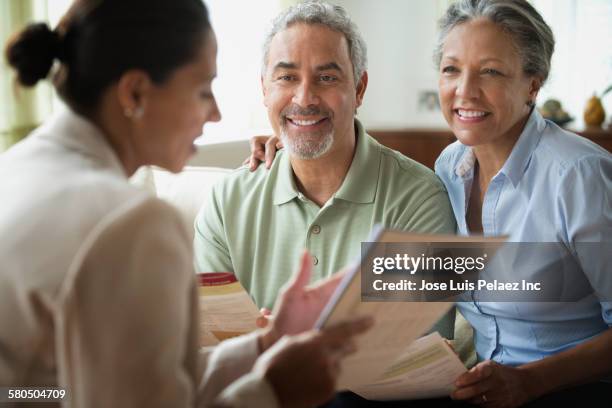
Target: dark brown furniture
[424, 145]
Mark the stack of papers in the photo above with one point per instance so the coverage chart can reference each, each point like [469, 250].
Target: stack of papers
[226, 309]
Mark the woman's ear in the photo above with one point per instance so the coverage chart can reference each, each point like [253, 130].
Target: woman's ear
[534, 87]
[133, 90]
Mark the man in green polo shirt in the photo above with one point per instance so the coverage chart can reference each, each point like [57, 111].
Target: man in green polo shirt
[332, 182]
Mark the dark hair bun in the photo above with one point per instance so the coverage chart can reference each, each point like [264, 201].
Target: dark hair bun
[31, 53]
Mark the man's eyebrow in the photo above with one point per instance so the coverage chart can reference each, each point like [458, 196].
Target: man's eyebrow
[285, 65]
[329, 66]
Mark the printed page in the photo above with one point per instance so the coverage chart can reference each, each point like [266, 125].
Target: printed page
[396, 326]
[396, 323]
[226, 309]
[427, 369]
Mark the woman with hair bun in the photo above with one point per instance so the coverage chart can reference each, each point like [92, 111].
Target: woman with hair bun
[97, 291]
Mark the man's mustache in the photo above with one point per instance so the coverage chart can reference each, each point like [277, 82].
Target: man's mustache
[294, 110]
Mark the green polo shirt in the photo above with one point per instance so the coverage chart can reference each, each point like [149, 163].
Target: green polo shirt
[256, 224]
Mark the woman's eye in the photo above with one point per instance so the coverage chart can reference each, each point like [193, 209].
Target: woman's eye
[491, 71]
[285, 78]
[449, 69]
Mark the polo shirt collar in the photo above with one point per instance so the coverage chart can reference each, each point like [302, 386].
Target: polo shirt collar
[360, 183]
[285, 189]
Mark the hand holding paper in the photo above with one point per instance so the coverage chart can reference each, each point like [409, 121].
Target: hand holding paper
[391, 361]
[317, 353]
[299, 306]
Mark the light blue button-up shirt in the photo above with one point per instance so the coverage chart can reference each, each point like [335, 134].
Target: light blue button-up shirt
[555, 187]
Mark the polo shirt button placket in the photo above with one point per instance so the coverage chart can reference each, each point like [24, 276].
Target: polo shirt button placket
[315, 260]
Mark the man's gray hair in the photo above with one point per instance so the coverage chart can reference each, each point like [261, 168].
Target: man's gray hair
[331, 16]
[532, 37]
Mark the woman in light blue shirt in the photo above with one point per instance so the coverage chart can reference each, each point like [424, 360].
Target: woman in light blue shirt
[513, 173]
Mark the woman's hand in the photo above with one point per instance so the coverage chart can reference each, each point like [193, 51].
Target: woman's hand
[263, 149]
[289, 342]
[298, 306]
[303, 369]
[264, 319]
[493, 385]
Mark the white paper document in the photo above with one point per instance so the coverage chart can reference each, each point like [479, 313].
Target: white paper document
[226, 309]
[396, 326]
[392, 361]
[426, 369]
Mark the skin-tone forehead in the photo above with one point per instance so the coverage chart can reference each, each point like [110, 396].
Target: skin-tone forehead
[480, 39]
[309, 43]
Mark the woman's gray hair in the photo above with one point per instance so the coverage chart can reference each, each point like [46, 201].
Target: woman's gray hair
[331, 16]
[533, 38]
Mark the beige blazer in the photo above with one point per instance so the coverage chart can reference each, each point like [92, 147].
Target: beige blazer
[97, 291]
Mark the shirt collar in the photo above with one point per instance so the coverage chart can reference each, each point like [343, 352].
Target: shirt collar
[360, 183]
[285, 189]
[519, 158]
[76, 133]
